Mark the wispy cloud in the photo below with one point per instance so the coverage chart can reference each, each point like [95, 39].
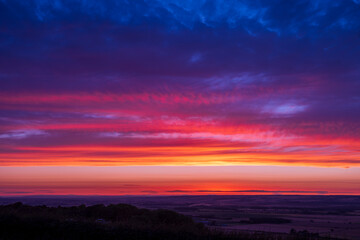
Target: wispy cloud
[19, 134]
[249, 191]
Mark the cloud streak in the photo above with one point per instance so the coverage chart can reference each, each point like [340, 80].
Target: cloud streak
[249, 191]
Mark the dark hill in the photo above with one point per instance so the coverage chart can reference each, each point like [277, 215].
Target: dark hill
[120, 221]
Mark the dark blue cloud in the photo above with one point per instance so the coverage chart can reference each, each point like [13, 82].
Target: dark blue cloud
[283, 17]
[113, 39]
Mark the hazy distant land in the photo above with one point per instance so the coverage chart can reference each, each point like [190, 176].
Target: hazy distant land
[327, 216]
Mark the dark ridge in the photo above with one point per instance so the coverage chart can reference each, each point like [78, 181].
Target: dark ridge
[115, 221]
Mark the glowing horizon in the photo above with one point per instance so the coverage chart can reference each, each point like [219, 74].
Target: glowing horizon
[174, 180]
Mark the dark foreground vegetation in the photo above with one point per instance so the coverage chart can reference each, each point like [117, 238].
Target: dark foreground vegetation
[120, 221]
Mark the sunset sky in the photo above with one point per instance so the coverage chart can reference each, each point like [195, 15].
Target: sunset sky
[179, 97]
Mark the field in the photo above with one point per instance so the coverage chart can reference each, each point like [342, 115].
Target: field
[328, 216]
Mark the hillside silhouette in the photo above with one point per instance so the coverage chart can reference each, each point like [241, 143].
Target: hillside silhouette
[114, 221]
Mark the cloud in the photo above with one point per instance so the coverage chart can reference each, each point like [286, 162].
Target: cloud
[196, 57]
[149, 191]
[178, 191]
[16, 192]
[95, 115]
[249, 191]
[19, 134]
[284, 108]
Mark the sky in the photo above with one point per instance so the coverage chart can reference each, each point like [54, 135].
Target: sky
[179, 97]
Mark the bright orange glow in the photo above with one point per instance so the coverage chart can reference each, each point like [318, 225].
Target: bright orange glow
[178, 180]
